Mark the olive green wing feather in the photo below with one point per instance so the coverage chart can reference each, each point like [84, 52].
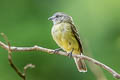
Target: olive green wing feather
[79, 62]
[76, 36]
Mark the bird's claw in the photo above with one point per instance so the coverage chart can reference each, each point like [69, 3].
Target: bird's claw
[57, 50]
[70, 55]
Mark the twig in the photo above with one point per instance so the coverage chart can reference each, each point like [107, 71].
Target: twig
[96, 70]
[26, 68]
[22, 75]
[51, 51]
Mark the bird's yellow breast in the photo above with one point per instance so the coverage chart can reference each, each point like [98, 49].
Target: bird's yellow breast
[62, 34]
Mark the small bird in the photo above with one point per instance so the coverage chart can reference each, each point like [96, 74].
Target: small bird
[65, 35]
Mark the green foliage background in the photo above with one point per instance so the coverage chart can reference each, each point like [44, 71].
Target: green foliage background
[25, 22]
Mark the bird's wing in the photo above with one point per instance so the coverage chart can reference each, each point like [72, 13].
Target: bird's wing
[76, 36]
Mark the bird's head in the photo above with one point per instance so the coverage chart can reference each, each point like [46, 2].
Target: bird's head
[59, 17]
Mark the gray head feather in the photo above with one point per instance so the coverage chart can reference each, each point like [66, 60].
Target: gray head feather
[59, 17]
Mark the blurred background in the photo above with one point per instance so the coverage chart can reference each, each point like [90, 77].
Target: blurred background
[25, 22]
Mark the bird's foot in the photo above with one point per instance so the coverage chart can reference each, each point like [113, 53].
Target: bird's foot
[57, 50]
[70, 54]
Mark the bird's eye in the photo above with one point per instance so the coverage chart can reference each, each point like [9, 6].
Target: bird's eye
[57, 16]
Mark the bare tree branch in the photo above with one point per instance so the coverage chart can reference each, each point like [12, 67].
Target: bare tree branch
[96, 70]
[22, 75]
[51, 51]
[26, 68]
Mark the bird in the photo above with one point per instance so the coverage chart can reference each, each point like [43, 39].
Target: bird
[66, 36]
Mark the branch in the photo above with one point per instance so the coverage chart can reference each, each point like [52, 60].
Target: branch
[96, 70]
[51, 51]
[22, 75]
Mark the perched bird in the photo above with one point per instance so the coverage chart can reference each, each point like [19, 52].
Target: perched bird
[65, 35]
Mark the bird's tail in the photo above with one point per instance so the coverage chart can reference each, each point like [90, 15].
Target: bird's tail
[80, 65]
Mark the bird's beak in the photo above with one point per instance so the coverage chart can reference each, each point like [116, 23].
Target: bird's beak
[51, 18]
